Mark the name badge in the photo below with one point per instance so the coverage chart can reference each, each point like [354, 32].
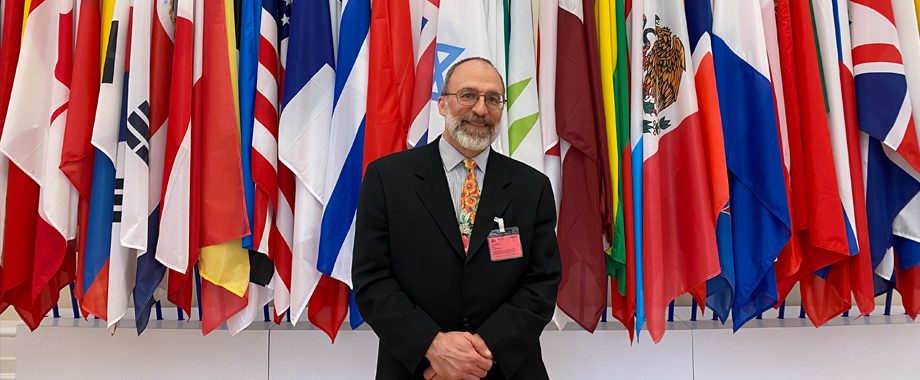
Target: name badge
[505, 244]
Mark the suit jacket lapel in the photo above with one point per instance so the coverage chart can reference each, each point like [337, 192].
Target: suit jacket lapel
[435, 195]
[492, 202]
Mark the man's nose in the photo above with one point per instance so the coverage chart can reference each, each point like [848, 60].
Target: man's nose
[480, 107]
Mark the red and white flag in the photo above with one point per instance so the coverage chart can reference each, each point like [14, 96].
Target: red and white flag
[175, 250]
[34, 131]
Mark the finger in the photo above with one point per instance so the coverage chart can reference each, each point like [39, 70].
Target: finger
[477, 370]
[429, 374]
[480, 346]
[483, 363]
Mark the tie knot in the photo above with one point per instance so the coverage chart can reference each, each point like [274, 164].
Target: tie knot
[469, 164]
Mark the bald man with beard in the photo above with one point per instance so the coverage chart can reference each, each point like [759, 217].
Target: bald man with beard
[456, 265]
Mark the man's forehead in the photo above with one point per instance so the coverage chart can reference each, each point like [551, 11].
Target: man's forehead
[476, 72]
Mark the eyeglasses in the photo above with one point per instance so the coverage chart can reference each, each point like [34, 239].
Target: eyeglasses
[469, 97]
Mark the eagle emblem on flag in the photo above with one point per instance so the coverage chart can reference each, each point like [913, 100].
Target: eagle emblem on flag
[663, 64]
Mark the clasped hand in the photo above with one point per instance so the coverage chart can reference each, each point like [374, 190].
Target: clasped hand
[458, 355]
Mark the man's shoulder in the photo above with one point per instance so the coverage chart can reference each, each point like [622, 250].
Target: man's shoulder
[405, 158]
[520, 171]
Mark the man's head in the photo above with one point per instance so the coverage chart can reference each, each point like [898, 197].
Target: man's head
[471, 102]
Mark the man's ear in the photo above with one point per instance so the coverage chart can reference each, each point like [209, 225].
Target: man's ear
[442, 105]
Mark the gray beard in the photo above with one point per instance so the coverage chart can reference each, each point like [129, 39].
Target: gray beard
[469, 138]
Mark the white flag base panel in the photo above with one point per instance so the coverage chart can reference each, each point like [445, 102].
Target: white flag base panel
[763, 349]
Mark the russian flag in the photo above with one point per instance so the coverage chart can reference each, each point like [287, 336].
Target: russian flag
[760, 220]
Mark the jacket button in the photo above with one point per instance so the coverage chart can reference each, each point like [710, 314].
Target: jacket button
[466, 322]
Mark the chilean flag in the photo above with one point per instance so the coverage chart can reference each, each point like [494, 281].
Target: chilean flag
[719, 289]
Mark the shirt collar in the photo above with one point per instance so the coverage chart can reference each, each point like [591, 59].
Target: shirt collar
[451, 157]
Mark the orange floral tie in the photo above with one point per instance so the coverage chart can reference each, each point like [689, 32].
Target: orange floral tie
[469, 201]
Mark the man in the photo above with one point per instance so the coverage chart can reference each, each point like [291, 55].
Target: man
[438, 270]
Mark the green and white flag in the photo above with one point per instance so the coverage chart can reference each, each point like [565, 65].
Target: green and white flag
[522, 138]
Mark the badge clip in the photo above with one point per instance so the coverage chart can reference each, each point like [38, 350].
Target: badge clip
[501, 224]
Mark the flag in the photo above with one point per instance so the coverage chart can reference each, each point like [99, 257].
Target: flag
[134, 208]
[129, 231]
[343, 172]
[261, 268]
[760, 221]
[462, 33]
[149, 286]
[778, 26]
[391, 79]
[265, 124]
[634, 10]
[33, 138]
[905, 14]
[176, 248]
[613, 54]
[15, 272]
[282, 241]
[222, 218]
[676, 185]
[105, 140]
[498, 34]
[78, 151]
[546, 88]
[113, 265]
[719, 290]
[585, 174]
[425, 63]
[282, 232]
[10, 39]
[522, 140]
[137, 155]
[303, 140]
[826, 293]
[606, 17]
[889, 146]
[860, 264]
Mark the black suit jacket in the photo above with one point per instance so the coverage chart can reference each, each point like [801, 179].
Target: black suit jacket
[413, 280]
